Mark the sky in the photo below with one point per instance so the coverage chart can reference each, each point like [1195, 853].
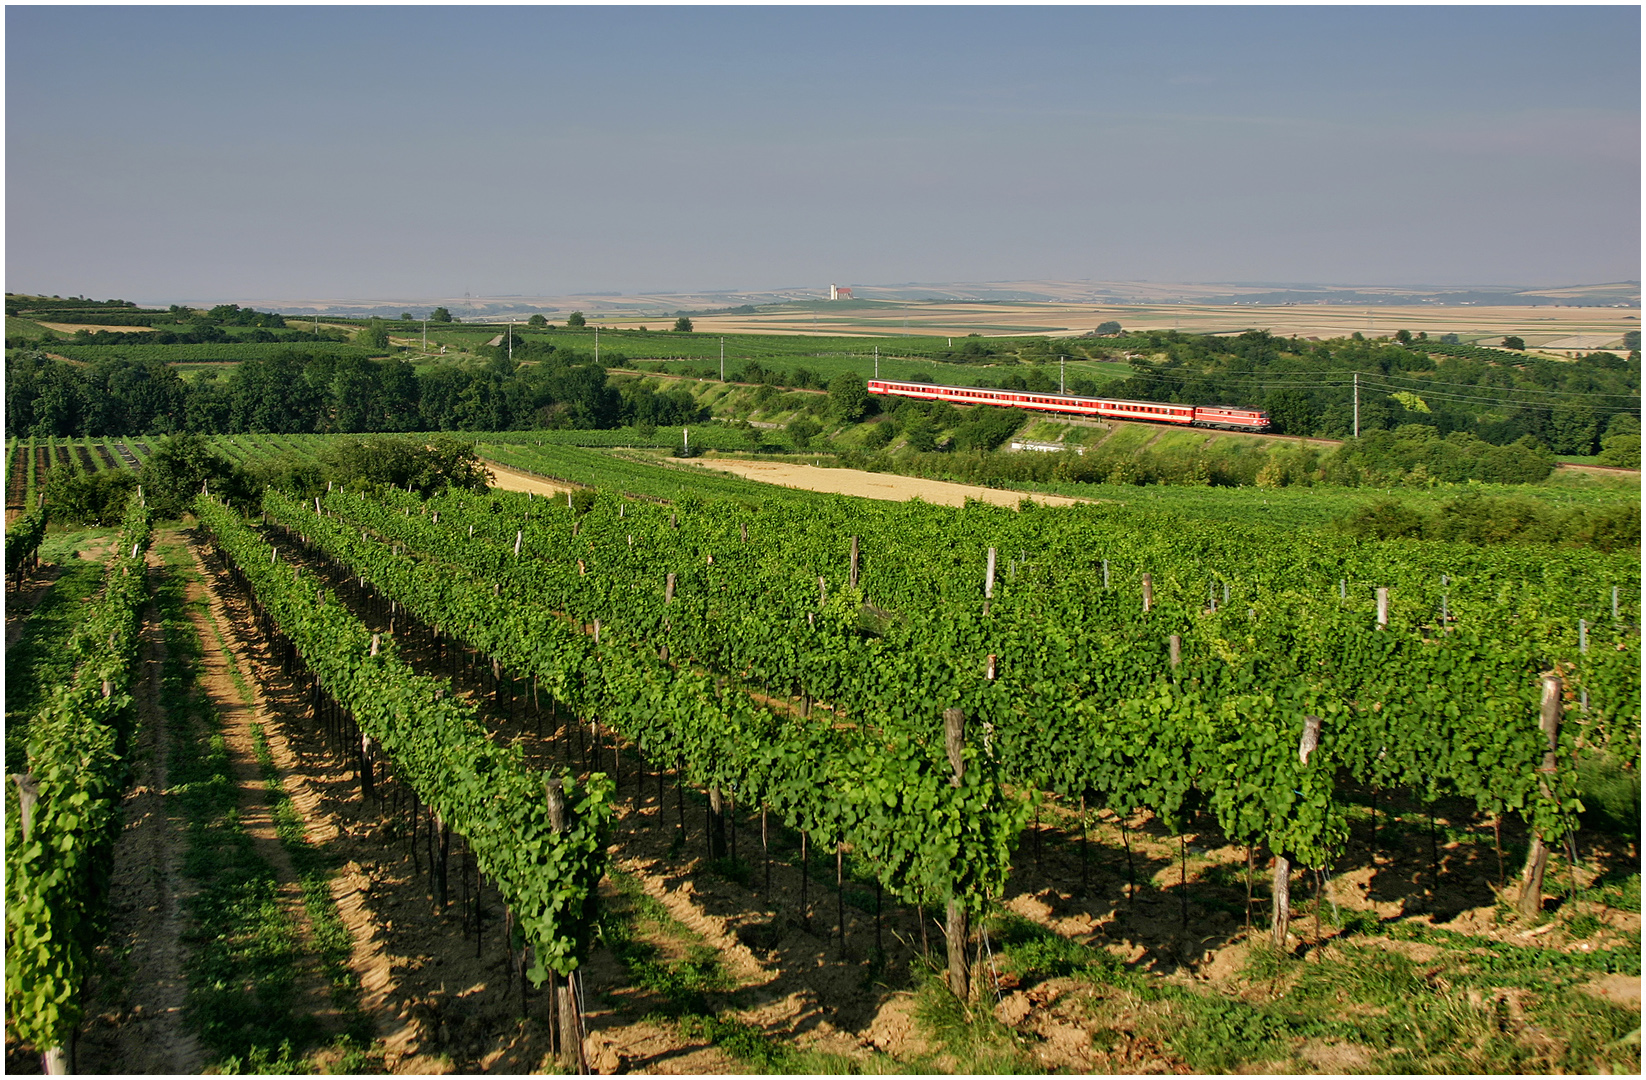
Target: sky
[218, 153]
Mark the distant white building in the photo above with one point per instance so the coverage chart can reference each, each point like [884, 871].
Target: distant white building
[839, 292]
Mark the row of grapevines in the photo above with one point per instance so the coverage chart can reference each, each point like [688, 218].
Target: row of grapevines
[23, 539]
[57, 878]
[1149, 748]
[888, 795]
[1452, 712]
[438, 746]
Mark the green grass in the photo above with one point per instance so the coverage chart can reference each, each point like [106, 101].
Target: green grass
[1448, 1014]
[967, 1037]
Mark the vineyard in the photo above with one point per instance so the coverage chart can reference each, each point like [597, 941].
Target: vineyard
[220, 352]
[619, 759]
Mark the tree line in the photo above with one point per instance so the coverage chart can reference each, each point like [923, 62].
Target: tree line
[298, 391]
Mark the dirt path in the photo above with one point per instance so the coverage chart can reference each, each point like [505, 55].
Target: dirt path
[223, 676]
[514, 480]
[316, 784]
[1602, 470]
[136, 1022]
[436, 1005]
[870, 485]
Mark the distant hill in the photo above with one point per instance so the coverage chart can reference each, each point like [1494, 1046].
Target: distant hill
[661, 306]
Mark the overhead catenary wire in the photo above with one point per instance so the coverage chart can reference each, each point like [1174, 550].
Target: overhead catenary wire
[1335, 379]
[1345, 381]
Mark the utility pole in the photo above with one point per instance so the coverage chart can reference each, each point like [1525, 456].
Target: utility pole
[597, 344]
[722, 359]
[877, 362]
[1357, 404]
[1061, 368]
[511, 341]
[425, 334]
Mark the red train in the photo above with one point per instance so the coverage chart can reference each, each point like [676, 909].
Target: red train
[1220, 416]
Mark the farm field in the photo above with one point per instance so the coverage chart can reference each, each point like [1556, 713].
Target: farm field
[745, 687]
[1549, 327]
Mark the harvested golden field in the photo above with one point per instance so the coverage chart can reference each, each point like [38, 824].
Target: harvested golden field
[1557, 328]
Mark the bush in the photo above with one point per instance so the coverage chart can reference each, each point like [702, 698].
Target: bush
[1622, 451]
[802, 432]
[850, 396]
[1476, 519]
[919, 434]
[987, 427]
[880, 435]
[85, 498]
[428, 464]
[1385, 519]
[180, 467]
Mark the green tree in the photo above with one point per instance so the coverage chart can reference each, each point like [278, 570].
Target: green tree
[180, 466]
[1403, 336]
[850, 396]
[919, 434]
[405, 316]
[682, 325]
[576, 319]
[1109, 328]
[440, 314]
[537, 320]
[1514, 343]
[374, 335]
[89, 498]
[803, 431]
[430, 464]
[1574, 429]
[1290, 411]
[1621, 446]
[1621, 450]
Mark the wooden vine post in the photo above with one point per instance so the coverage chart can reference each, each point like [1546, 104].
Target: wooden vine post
[717, 824]
[668, 598]
[1282, 912]
[854, 563]
[1148, 592]
[564, 994]
[988, 583]
[1537, 859]
[957, 930]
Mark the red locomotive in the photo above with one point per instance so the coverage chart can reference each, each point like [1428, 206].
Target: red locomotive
[1221, 416]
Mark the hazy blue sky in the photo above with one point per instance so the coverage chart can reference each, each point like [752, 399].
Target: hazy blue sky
[212, 153]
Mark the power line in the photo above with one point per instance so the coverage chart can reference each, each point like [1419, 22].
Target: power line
[1473, 400]
[1515, 389]
[1343, 380]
